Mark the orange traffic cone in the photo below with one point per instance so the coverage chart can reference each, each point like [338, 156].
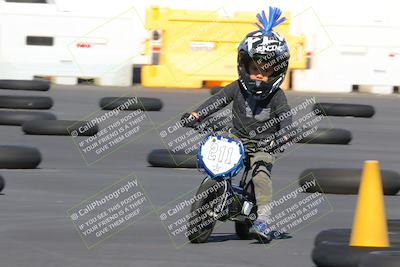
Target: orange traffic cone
[369, 225]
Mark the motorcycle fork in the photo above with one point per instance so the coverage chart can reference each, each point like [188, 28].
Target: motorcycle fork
[222, 205]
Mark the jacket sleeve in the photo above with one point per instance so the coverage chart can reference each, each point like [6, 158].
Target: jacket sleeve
[282, 110]
[217, 101]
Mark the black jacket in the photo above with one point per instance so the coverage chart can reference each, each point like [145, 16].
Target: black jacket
[253, 119]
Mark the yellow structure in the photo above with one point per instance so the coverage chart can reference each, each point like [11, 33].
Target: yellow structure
[369, 225]
[190, 49]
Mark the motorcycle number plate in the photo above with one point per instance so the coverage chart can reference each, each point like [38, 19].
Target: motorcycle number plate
[221, 156]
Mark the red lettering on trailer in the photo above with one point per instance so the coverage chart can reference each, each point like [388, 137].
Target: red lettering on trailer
[83, 45]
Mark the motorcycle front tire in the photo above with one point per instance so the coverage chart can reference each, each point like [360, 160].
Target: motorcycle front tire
[199, 233]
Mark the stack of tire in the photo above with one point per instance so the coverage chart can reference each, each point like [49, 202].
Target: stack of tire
[335, 135]
[342, 181]
[14, 111]
[19, 110]
[331, 249]
[72, 128]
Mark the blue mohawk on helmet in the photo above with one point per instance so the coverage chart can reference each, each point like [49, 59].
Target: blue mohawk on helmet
[267, 25]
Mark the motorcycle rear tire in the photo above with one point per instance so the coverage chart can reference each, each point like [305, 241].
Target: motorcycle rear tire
[242, 229]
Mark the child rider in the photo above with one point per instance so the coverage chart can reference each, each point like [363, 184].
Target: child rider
[257, 99]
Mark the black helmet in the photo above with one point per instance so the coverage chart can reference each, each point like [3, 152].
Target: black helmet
[269, 50]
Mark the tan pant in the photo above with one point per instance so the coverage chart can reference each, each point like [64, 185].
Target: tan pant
[261, 166]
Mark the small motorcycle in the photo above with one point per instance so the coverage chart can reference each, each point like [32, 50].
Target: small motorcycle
[222, 157]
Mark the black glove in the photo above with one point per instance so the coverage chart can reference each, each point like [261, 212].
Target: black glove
[188, 120]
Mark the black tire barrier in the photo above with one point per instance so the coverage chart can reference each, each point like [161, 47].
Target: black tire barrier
[326, 136]
[146, 103]
[163, 158]
[346, 181]
[394, 225]
[344, 110]
[59, 127]
[33, 85]
[215, 90]
[343, 235]
[340, 254]
[19, 157]
[381, 258]
[19, 117]
[2, 183]
[25, 102]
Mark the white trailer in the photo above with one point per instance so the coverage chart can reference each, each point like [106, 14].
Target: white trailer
[67, 41]
[353, 45]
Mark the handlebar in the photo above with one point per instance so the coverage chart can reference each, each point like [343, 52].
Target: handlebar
[213, 125]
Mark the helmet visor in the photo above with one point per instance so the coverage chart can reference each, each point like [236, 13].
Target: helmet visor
[256, 65]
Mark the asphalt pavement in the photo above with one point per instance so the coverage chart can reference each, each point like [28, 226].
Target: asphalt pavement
[35, 229]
